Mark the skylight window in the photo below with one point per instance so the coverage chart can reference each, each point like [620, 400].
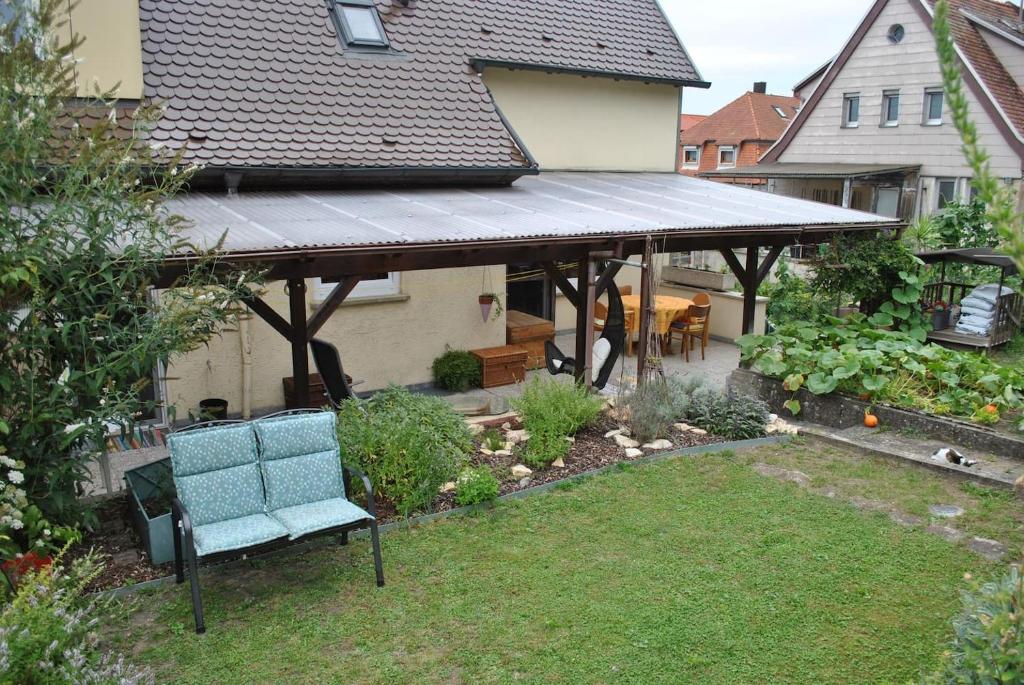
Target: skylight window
[778, 110]
[358, 23]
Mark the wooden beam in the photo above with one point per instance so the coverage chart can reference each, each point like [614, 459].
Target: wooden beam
[330, 304]
[750, 290]
[586, 291]
[267, 313]
[734, 264]
[299, 340]
[606, 277]
[768, 263]
[645, 313]
[563, 284]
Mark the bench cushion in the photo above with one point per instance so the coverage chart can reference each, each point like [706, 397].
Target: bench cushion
[216, 473]
[303, 519]
[300, 458]
[238, 533]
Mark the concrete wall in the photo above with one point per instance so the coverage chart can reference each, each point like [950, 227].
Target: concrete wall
[910, 66]
[382, 341]
[590, 124]
[111, 53]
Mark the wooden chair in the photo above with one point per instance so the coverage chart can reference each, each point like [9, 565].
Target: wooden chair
[704, 299]
[690, 327]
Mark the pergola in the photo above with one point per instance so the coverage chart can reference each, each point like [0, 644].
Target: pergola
[592, 220]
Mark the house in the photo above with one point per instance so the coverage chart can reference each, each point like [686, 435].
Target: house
[876, 133]
[383, 160]
[737, 135]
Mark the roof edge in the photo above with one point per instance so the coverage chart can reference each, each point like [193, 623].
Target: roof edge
[481, 63]
[330, 177]
[679, 40]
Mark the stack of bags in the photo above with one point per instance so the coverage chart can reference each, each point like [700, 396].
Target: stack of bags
[978, 310]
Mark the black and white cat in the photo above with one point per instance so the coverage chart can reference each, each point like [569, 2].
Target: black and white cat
[953, 457]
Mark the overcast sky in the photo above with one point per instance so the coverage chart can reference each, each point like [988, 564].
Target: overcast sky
[737, 42]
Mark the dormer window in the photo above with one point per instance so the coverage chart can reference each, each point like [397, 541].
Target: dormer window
[358, 24]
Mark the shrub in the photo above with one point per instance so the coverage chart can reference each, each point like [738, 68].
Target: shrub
[456, 370]
[657, 404]
[988, 635]
[475, 486]
[553, 411]
[492, 440]
[790, 298]
[729, 415]
[48, 632]
[408, 444]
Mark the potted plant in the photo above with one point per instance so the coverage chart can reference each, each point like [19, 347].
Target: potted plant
[940, 315]
[490, 301]
[705, 279]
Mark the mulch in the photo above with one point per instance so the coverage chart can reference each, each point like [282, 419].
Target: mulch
[126, 561]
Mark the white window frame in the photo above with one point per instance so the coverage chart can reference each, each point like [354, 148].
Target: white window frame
[930, 93]
[727, 148]
[694, 149]
[377, 287]
[848, 100]
[887, 97]
[778, 110]
[341, 24]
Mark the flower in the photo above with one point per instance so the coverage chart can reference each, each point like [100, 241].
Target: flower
[16, 477]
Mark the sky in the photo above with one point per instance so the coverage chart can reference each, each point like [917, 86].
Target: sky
[737, 42]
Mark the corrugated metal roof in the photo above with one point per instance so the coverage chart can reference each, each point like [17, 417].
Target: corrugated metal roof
[810, 170]
[556, 205]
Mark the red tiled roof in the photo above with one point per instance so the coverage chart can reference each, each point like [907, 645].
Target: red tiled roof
[688, 121]
[751, 116]
[267, 84]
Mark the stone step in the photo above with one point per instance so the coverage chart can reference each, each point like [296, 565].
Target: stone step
[991, 469]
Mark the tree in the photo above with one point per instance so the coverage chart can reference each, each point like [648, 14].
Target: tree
[83, 232]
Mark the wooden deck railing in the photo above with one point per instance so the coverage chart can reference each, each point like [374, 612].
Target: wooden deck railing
[1009, 314]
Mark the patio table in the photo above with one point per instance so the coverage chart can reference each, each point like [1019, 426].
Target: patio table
[666, 309]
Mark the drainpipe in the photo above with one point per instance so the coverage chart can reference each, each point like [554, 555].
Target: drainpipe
[246, 349]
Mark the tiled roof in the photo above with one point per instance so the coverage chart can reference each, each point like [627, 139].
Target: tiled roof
[688, 121]
[1006, 92]
[267, 84]
[751, 116]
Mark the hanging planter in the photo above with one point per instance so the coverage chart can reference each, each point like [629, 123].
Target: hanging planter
[488, 299]
[486, 303]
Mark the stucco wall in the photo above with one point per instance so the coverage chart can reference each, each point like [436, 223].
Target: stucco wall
[592, 124]
[910, 66]
[112, 49]
[380, 343]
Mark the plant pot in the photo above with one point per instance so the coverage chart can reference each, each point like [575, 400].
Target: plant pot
[149, 483]
[698, 278]
[213, 409]
[486, 302]
[940, 320]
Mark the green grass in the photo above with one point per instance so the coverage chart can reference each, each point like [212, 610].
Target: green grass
[692, 570]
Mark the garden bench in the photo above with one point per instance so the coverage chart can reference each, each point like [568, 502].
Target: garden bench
[251, 485]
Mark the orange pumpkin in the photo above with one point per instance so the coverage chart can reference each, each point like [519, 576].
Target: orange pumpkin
[870, 420]
[991, 409]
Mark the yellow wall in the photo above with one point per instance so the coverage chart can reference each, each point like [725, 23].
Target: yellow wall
[380, 343]
[112, 49]
[592, 124]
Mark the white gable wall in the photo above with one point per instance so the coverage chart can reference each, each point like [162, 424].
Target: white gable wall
[1009, 53]
[911, 66]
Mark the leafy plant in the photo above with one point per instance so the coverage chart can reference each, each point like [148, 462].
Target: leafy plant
[988, 635]
[852, 357]
[492, 439]
[553, 411]
[863, 268]
[657, 404]
[48, 632]
[790, 298]
[457, 370]
[476, 486]
[726, 414]
[903, 312]
[408, 444]
[964, 224]
[83, 232]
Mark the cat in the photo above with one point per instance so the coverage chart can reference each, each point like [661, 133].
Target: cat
[953, 457]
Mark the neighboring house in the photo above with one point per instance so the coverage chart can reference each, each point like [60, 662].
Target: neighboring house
[307, 95]
[876, 134]
[809, 84]
[737, 135]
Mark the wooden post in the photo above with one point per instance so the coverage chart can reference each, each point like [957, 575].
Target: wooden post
[586, 288]
[750, 284]
[299, 339]
[847, 192]
[645, 312]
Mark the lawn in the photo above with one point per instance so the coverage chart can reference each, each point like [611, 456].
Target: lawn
[693, 570]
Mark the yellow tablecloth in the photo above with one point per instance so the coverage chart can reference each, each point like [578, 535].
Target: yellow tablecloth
[666, 309]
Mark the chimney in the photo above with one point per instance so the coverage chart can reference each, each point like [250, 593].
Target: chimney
[760, 87]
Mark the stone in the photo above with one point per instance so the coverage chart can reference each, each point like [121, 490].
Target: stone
[516, 437]
[508, 445]
[698, 431]
[623, 441]
[570, 439]
[660, 444]
[475, 429]
[447, 487]
[798, 477]
[633, 453]
[683, 427]
[128, 557]
[503, 453]
[558, 463]
[519, 471]
[772, 418]
[990, 549]
[946, 532]
[617, 431]
[905, 520]
[484, 450]
[524, 482]
[945, 511]
[506, 426]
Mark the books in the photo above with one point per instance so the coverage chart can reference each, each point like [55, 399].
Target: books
[142, 437]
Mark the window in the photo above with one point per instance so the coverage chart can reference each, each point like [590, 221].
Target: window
[896, 33]
[947, 191]
[933, 107]
[778, 110]
[358, 23]
[851, 110]
[887, 202]
[726, 156]
[691, 156]
[891, 108]
[376, 285]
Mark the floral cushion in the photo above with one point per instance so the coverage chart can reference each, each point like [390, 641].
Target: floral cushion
[290, 436]
[221, 495]
[302, 479]
[213, 448]
[308, 518]
[237, 533]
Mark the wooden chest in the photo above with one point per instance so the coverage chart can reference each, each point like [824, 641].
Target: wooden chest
[502, 365]
[530, 332]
